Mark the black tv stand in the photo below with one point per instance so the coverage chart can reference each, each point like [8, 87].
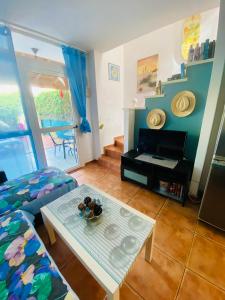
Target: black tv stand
[155, 177]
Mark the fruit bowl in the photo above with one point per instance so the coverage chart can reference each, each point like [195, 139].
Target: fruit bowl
[90, 208]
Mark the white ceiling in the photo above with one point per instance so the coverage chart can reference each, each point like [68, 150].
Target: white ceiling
[98, 24]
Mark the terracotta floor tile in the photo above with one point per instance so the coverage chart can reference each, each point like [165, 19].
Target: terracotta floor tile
[143, 206]
[195, 287]
[175, 213]
[60, 253]
[120, 195]
[93, 165]
[99, 185]
[99, 173]
[92, 173]
[147, 202]
[128, 186]
[84, 179]
[76, 174]
[211, 232]
[208, 259]
[127, 293]
[126, 183]
[191, 208]
[173, 240]
[80, 280]
[188, 210]
[159, 279]
[42, 234]
[107, 182]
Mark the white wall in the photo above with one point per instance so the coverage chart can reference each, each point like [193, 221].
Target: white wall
[93, 104]
[167, 43]
[110, 96]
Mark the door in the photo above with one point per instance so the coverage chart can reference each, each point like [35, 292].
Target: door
[220, 147]
[17, 154]
[51, 113]
[56, 128]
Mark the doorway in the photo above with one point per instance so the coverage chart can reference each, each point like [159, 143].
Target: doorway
[50, 112]
[56, 119]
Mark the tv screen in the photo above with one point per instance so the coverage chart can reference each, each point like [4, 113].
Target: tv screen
[166, 143]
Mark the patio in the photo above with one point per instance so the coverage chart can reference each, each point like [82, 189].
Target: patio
[55, 154]
[18, 152]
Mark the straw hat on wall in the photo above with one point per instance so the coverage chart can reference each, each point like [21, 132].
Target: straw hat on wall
[156, 119]
[183, 104]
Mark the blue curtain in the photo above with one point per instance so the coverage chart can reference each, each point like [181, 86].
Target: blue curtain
[75, 61]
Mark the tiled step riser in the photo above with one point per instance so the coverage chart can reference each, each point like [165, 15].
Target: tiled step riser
[114, 168]
[119, 145]
[113, 154]
[118, 142]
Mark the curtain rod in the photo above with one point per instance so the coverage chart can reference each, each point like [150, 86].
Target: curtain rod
[38, 35]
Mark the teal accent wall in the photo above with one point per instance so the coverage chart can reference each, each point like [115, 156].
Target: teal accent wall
[198, 82]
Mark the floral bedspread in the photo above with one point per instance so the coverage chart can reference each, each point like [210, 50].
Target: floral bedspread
[19, 192]
[26, 270]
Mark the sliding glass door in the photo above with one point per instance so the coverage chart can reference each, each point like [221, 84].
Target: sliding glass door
[17, 156]
[16, 153]
[55, 114]
[37, 116]
[52, 116]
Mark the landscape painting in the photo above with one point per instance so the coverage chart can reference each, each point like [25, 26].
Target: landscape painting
[147, 69]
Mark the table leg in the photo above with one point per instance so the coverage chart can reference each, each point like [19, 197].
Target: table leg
[50, 230]
[149, 246]
[115, 296]
[64, 150]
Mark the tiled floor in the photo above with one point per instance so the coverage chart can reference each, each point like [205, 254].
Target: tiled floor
[188, 257]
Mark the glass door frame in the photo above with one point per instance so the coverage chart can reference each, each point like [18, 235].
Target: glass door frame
[27, 66]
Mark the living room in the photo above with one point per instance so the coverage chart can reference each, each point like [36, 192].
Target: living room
[112, 150]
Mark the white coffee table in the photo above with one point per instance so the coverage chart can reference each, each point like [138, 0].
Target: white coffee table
[108, 246]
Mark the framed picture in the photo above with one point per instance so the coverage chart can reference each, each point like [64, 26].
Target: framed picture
[147, 69]
[114, 72]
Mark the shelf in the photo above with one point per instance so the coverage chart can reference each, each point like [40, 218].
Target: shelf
[166, 194]
[194, 63]
[175, 81]
[199, 62]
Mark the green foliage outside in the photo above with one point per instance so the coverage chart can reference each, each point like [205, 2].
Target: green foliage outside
[10, 109]
[49, 105]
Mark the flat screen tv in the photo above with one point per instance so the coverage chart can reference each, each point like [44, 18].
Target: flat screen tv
[164, 143]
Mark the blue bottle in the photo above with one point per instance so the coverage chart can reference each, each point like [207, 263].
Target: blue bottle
[202, 51]
[206, 49]
[182, 71]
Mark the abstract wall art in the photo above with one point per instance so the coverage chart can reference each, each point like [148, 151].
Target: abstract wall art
[147, 69]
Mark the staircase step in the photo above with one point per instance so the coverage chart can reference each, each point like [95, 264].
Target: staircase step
[111, 163]
[113, 151]
[119, 142]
